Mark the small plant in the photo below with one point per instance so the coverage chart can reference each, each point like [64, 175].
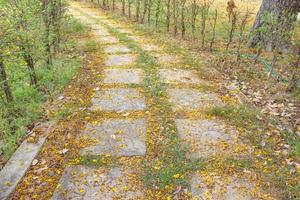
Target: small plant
[204, 11]
[233, 26]
[91, 46]
[241, 38]
[212, 41]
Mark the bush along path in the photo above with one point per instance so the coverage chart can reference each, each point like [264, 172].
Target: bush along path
[136, 127]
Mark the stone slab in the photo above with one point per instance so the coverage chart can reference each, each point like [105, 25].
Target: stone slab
[96, 16]
[101, 32]
[192, 99]
[117, 49]
[19, 163]
[120, 60]
[97, 27]
[117, 137]
[150, 47]
[125, 76]
[108, 40]
[176, 76]
[206, 138]
[166, 59]
[125, 31]
[222, 188]
[136, 38]
[118, 99]
[85, 183]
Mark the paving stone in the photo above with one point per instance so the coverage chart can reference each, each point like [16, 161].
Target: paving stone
[125, 76]
[192, 99]
[206, 138]
[179, 76]
[85, 183]
[120, 60]
[166, 59]
[150, 47]
[108, 40]
[222, 188]
[97, 27]
[118, 137]
[118, 99]
[96, 16]
[136, 38]
[102, 32]
[125, 31]
[117, 49]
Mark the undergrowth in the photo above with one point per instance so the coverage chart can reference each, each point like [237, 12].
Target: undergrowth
[27, 107]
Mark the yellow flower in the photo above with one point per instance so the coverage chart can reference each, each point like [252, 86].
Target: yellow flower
[82, 191]
[176, 175]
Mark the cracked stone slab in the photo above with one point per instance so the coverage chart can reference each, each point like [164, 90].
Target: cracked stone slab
[86, 183]
[206, 138]
[117, 137]
[117, 49]
[179, 76]
[192, 99]
[118, 99]
[222, 188]
[126, 76]
[150, 47]
[108, 40]
[120, 60]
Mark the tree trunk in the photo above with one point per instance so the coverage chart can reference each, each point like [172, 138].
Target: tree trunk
[137, 13]
[168, 15]
[123, 7]
[285, 13]
[5, 85]
[47, 22]
[30, 64]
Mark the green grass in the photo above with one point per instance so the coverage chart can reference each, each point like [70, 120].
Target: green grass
[91, 46]
[254, 125]
[28, 100]
[242, 116]
[98, 161]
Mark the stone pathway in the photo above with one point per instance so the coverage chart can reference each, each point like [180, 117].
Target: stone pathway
[126, 137]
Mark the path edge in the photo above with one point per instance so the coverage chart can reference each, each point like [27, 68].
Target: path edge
[17, 166]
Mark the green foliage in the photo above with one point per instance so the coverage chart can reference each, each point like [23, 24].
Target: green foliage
[242, 116]
[294, 141]
[26, 108]
[91, 46]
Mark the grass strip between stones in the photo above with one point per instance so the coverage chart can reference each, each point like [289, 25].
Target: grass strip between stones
[165, 168]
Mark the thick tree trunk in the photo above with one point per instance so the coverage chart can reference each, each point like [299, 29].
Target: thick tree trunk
[284, 12]
[5, 85]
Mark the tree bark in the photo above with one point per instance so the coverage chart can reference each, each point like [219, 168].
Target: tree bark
[168, 15]
[30, 64]
[5, 85]
[285, 13]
